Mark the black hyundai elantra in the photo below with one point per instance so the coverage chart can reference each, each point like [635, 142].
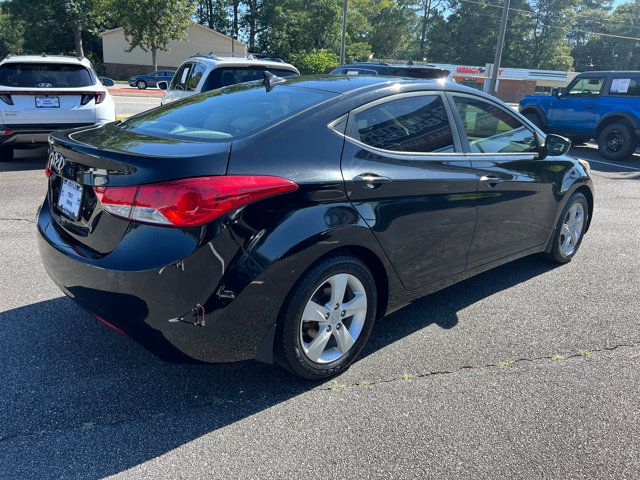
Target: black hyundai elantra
[278, 220]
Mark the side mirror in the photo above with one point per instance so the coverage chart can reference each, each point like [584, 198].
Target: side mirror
[162, 85]
[555, 145]
[556, 92]
[107, 82]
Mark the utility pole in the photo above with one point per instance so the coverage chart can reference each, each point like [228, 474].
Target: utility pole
[501, 34]
[343, 38]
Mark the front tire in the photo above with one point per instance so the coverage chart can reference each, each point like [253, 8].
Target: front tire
[617, 141]
[570, 229]
[6, 154]
[328, 319]
[142, 85]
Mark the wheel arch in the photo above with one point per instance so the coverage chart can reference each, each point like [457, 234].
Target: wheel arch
[586, 191]
[614, 117]
[538, 111]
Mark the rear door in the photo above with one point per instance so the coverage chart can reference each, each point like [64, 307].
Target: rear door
[46, 94]
[407, 177]
[577, 108]
[516, 198]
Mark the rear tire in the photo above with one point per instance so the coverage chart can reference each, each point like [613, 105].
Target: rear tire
[617, 141]
[142, 85]
[535, 119]
[6, 154]
[570, 229]
[318, 311]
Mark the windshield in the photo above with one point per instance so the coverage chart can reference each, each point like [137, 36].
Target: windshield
[225, 113]
[44, 75]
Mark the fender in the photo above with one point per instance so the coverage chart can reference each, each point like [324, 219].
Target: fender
[536, 109]
[627, 116]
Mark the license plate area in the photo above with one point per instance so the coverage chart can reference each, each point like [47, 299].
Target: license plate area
[47, 102]
[70, 198]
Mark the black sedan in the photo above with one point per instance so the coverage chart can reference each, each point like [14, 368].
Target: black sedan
[151, 79]
[278, 220]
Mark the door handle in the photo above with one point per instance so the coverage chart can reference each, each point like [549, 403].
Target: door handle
[371, 180]
[589, 105]
[491, 180]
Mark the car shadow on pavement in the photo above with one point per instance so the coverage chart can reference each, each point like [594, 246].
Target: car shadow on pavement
[27, 159]
[629, 169]
[78, 400]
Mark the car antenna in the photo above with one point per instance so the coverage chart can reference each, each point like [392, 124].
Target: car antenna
[271, 80]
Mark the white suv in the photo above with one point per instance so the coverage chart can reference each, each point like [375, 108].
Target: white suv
[43, 93]
[202, 73]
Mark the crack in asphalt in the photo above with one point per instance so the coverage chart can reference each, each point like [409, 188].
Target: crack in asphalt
[336, 387]
[16, 219]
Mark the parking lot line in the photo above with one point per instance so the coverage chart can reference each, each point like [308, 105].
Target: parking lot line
[614, 165]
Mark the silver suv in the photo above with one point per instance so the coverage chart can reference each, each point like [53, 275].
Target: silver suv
[201, 73]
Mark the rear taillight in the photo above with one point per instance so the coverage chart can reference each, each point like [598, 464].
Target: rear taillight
[97, 96]
[47, 170]
[189, 202]
[6, 98]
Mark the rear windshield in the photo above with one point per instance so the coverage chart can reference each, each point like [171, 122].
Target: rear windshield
[44, 75]
[225, 113]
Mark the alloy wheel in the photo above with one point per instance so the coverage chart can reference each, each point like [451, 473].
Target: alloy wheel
[571, 229]
[333, 318]
[614, 141]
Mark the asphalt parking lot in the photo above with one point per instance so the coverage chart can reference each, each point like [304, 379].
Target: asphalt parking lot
[527, 371]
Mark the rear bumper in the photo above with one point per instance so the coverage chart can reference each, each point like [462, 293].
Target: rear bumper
[211, 303]
[24, 135]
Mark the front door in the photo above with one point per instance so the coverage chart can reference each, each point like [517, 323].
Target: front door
[405, 174]
[516, 205]
[576, 109]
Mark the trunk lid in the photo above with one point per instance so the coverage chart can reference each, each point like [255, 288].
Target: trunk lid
[107, 156]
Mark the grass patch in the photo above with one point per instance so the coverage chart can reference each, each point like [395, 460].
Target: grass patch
[584, 353]
[558, 357]
[407, 376]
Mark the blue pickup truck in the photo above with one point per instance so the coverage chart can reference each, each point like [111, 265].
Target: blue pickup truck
[601, 105]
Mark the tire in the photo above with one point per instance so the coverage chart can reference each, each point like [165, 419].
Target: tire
[294, 336]
[6, 154]
[561, 255]
[141, 84]
[535, 119]
[617, 141]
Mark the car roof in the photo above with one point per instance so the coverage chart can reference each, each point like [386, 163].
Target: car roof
[60, 59]
[343, 84]
[239, 62]
[609, 72]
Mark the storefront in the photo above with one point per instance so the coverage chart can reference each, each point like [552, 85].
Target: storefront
[513, 83]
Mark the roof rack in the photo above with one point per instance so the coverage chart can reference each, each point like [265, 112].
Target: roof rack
[210, 55]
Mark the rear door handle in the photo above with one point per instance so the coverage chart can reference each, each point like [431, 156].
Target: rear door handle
[371, 180]
[491, 180]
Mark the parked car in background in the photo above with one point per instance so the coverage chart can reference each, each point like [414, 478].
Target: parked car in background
[596, 105]
[43, 93]
[151, 79]
[279, 220]
[399, 70]
[202, 73]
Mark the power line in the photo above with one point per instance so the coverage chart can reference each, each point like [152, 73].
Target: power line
[611, 35]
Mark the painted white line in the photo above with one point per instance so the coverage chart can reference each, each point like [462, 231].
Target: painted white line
[613, 164]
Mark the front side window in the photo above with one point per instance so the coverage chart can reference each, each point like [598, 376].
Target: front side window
[44, 75]
[490, 129]
[179, 80]
[194, 77]
[586, 87]
[410, 124]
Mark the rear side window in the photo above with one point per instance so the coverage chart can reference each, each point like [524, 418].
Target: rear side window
[627, 87]
[410, 124]
[492, 130]
[223, 77]
[44, 75]
[224, 114]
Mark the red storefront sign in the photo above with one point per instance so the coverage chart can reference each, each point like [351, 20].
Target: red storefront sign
[473, 70]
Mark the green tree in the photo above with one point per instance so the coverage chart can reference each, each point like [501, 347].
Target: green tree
[11, 34]
[152, 24]
[213, 14]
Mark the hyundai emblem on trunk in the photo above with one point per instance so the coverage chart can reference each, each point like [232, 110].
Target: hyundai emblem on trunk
[57, 161]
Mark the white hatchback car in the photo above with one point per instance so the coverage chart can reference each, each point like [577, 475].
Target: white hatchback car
[43, 93]
[201, 73]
